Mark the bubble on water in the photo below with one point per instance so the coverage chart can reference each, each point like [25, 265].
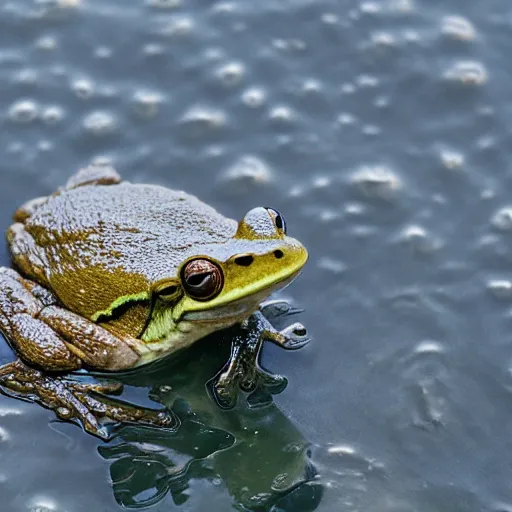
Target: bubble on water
[100, 123]
[371, 129]
[348, 88]
[254, 97]
[4, 435]
[370, 7]
[382, 102]
[147, 103]
[282, 113]
[467, 73]
[83, 88]
[331, 265]
[231, 74]
[42, 504]
[330, 18]
[153, 49]
[204, 116]
[164, 4]
[46, 43]
[27, 76]
[451, 159]
[419, 239]
[178, 26]
[383, 39]
[103, 52]
[321, 182]
[367, 81]
[377, 181]
[402, 6]
[248, 170]
[429, 347]
[24, 111]
[500, 288]
[312, 86]
[52, 115]
[502, 219]
[458, 27]
[44, 145]
[345, 118]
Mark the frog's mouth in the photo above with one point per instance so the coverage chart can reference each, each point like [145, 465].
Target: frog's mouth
[237, 310]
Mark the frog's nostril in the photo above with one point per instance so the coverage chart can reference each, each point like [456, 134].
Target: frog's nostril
[244, 261]
[278, 254]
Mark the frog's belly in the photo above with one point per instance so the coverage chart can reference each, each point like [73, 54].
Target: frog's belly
[184, 335]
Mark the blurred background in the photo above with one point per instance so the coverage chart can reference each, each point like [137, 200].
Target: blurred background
[380, 129]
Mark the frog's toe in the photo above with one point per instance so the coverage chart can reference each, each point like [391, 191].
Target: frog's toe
[295, 336]
[274, 309]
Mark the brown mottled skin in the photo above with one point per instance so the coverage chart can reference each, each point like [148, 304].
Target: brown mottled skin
[99, 287]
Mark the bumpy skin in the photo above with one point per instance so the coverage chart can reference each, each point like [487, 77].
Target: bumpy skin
[53, 332]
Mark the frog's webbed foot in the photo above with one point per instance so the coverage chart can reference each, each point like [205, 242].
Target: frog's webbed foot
[75, 400]
[274, 309]
[243, 370]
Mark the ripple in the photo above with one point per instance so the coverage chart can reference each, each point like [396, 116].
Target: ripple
[471, 73]
[457, 27]
[377, 181]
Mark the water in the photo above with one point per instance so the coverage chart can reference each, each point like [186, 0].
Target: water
[380, 130]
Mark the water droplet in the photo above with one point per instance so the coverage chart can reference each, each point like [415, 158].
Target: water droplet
[248, 170]
[458, 27]
[83, 88]
[24, 111]
[147, 103]
[377, 181]
[178, 26]
[231, 74]
[204, 116]
[451, 159]
[100, 123]
[502, 219]
[254, 97]
[52, 115]
[46, 43]
[282, 114]
[500, 288]
[467, 73]
[331, 265]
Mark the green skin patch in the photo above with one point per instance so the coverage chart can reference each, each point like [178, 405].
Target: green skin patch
[121, 301]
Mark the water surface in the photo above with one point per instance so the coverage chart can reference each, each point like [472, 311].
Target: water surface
[381, 131]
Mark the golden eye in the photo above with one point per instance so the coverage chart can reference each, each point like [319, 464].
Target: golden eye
[202, 279]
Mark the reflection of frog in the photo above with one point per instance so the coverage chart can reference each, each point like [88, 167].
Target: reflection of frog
[114, 275]
[255, 455]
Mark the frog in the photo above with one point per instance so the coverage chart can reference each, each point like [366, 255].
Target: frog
[110, 276]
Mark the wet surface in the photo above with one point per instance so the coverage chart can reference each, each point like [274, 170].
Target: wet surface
[380, 131]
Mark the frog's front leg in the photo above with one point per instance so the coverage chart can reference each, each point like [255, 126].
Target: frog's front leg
[48, 340]
[243, 370]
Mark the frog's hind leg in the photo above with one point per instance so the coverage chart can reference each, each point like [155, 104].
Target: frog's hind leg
[33, 325]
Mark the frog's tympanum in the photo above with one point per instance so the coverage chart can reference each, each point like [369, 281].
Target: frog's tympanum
[112, 275]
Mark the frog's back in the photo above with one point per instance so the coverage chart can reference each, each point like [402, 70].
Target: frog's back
[116, 240]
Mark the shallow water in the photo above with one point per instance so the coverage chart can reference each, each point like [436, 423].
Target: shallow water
[379, 129]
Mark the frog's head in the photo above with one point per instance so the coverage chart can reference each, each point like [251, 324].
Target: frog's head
[226, 282]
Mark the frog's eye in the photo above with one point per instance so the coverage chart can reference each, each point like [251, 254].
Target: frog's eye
[202, 279]
[278, 220]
